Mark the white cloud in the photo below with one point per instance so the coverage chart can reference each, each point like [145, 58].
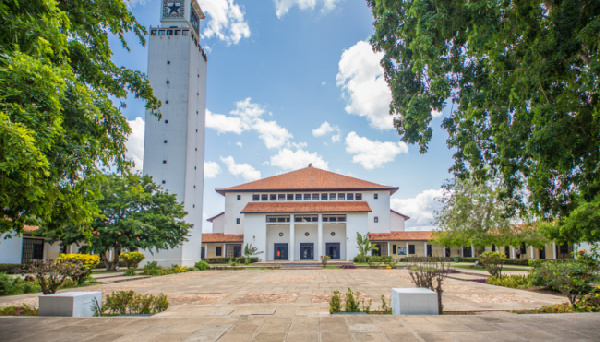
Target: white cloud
[420, 209]
[222, 123]
[246, 171]
[239, 143]
[289, 160]
[132, 3]
[226, 21]
[371, 154]
[325, 129]
[211, 169]
[248, 116]
[435, 113]
[135, 143]
[283, 6]
[361, 78]
[322, 130]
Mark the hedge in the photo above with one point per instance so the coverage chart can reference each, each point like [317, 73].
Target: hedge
[226, 261]
[10, 268]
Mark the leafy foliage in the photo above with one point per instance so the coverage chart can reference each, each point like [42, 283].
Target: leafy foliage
[88, 263]
[23, 310]
[10, 285]
[202, 265]
[430, 273]
[249, 252]
[522, 77]
[132, 259]
[493, 262]
[515, 281]
[131, 303]
[153, 269]
[135, 213]
[58, 123]
[364, 246]
[476, 214]
[51, 275]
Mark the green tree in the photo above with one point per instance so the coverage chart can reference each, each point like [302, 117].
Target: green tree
[582, 224]
[523, 79]
[134, 213]
[364, 246]
[476, 214]
[58, 123]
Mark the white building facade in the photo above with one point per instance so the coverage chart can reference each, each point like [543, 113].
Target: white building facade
[303, 215]
[174, 143]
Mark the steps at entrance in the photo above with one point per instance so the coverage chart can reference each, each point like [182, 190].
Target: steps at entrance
[300, 264]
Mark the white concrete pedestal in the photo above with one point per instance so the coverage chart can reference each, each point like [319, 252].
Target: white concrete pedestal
[70, 304]
[414, 301]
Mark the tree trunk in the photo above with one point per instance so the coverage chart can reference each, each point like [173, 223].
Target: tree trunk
[115, 262]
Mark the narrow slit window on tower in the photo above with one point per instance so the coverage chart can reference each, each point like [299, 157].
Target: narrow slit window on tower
[167, 81]
[193, 206]
[166, 141]
[177, 32]
[196, 149]
[164, 161]
[164, 181]
[194, 168]
[166, 121]
[168, 62]
[169, 32]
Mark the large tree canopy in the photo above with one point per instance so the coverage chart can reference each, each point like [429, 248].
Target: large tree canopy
[523, 77]
[474, 213]
[134, 213]
[58, 124]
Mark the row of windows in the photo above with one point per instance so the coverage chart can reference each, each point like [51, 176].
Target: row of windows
[169, 32]
[305, 218]
[308, 197]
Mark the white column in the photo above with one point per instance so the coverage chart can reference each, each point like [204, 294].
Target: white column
[388, 249]
[425, 249]
[320, 238]
[291, 247]
[472, 251]
[407, 250]
[224, 251]
[531, 252]
[462, 252]
[513, 253]
[553, 250]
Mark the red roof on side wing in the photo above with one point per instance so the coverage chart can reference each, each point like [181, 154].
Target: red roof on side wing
[308, 178]
[401, 236]
[219, 237]
[307, 207]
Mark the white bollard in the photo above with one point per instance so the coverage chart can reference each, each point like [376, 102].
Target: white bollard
[70, 304]
[414, 301]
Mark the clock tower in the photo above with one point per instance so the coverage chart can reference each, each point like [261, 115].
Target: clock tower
[174, 144]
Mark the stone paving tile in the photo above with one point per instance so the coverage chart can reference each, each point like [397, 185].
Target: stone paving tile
[269, 337]
[302, 336]
[402, 336]
[236, 337]
[368, 336]
[434, 336]
[335, 336]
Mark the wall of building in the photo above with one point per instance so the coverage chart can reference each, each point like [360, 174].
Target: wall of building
[356, 223]
[11, 249]
[396, 222]
[255, 233]
[218, 224]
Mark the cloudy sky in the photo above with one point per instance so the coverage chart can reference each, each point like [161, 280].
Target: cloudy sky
[293, 82]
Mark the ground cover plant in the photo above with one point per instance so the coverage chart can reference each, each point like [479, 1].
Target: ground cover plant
[10, 285]
[353, 302]
[153, 269]
[515, 281]
[22, 310]
[131, 303]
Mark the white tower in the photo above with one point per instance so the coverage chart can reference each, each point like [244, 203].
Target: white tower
[174, 144]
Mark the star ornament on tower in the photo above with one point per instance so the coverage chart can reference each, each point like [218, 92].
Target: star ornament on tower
[173, 8]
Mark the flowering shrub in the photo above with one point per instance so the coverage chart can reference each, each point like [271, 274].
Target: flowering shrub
[571, 278]
[590, 302]
[88, 263]
[132, 259]
[19, 311]
[153, 269]
[556, 308]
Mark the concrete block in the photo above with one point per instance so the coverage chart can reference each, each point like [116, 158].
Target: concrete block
[414, 301]
[70, 304]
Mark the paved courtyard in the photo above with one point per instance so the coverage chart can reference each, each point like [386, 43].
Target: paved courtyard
[277, 305]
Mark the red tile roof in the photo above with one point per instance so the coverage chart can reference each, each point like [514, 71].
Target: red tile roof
[308, 178]
[399, 213]
[307, 207]
[220, 237]
[30, 229]
[401, 236]
[214, 217]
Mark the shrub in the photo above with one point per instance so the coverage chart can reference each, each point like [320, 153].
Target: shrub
[569, 278]
[128, 302]
[513, 281]
[556, 308]
[51, 275]
[374, 261]
[202, 265]
[16, 285]
[23, 310]
[11, 268]
[132, 259]
[130, 272]
[429, 272]
[356, 259]
[493, 262]
[351, 303]
[590, 302]
[324, 260]
[88, 263]
[335, 303]
[153, 269]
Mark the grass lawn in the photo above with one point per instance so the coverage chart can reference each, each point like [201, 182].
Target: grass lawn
[470, 268]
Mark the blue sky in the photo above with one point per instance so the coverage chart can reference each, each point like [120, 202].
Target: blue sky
[293, 82]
